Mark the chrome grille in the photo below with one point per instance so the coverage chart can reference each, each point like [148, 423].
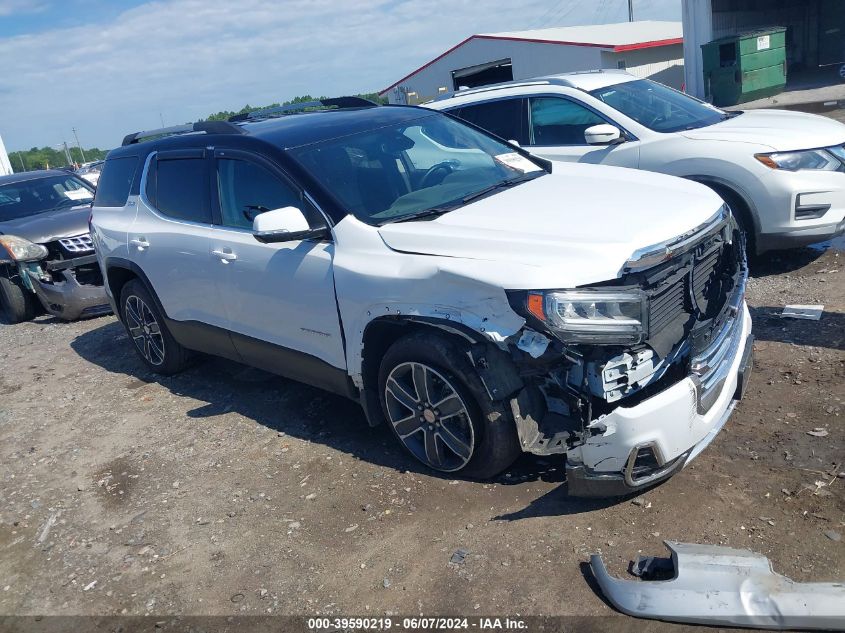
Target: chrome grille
[710, 367]
[78, 244]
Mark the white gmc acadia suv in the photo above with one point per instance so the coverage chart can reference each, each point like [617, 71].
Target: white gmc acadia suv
[781, 172]
[477, 299]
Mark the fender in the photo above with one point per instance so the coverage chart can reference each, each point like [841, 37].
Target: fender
[737, 189]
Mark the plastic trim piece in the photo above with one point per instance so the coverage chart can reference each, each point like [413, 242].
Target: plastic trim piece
[724, 586]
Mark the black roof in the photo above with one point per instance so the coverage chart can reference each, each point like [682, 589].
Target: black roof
[33, 175]
[296, 130]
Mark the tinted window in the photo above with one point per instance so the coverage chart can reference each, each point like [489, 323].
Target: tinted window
[560, 121]
[247, 189]
[180, 189]
[503, 118]
[40, 195]
[115, 181]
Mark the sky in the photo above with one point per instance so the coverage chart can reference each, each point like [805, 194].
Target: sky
[111, 67]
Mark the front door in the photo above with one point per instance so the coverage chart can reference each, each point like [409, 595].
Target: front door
[280, 298]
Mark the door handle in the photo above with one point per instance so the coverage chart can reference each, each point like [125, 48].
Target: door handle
[225, 256]
[140, 242]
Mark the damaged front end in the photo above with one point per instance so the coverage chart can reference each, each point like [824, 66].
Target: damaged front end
[67, 280]
[630, 378]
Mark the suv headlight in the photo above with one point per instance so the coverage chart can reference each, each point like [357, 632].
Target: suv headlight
[17, 249]
[829, 159]
[598, 317]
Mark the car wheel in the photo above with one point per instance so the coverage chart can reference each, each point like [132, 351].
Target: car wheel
[17, 304]
[437, 407]
[146, 328]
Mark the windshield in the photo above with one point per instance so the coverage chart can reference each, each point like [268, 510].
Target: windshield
[658, 107]
[416, 168]
[39, 195]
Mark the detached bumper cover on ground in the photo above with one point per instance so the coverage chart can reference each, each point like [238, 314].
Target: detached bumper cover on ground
[725, 586]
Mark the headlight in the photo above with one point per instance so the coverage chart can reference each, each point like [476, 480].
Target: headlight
[832, 159]
[17, 249]
[598, 317]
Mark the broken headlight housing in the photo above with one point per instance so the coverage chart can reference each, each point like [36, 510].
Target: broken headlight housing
[17, 249]
[597, 317]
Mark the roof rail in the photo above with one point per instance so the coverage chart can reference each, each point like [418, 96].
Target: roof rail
[209, 127]
[547, 80]
[335, 102]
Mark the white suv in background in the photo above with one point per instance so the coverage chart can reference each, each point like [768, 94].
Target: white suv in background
[477, 300]
[781, 172]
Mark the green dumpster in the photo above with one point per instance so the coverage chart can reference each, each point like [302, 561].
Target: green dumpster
[745, 67]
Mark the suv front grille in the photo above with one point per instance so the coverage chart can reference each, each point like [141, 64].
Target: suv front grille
[698, 290]
[77, 245]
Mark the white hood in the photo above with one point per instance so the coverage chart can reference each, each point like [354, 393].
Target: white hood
[781, 130]
[581, 223]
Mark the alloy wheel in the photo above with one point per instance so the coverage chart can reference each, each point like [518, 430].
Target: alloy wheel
[144, 330]
[429, 416]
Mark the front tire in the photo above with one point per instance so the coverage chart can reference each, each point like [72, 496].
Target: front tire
[437, 407]
[148, 331]
[17, 304]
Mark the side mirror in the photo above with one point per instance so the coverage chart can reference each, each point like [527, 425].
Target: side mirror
[604, 134]
[287, 224]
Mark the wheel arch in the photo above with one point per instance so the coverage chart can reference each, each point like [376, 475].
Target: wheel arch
[121, 271]
[748, 212]
[382, 332]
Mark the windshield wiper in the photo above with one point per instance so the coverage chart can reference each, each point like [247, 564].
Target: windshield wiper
[428, 213]
[504, 184]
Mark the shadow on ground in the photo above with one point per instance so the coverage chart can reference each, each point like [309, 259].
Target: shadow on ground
[306, 413]
[829, 331]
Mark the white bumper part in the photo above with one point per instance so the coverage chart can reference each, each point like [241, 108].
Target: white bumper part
[668, 423]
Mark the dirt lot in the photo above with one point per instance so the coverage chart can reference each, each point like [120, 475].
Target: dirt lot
[229, 491]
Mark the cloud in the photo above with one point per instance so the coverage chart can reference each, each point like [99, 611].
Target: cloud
[14, 7]
[188, 58]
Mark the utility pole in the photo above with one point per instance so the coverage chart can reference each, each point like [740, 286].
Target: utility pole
[630, 10]
[78, 145]
[161, 118]
[20, 158]
[67, 153]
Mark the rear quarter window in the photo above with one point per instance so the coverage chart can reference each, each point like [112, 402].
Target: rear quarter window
[115, 181]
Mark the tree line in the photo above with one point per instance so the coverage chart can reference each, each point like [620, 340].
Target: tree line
[49, 157]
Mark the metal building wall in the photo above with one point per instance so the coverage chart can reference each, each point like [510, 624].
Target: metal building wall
[664, 64]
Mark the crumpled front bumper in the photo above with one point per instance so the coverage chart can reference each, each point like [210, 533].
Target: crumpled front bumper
[666, 431]
[724, 586]
[68, 299]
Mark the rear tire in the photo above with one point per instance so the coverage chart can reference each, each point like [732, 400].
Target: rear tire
[438, 409]
[17, 304]
[147, 330]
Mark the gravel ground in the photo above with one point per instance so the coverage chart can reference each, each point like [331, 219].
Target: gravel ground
[228, 491]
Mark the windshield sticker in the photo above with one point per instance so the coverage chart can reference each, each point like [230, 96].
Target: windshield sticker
[77, 194]
[517, 162]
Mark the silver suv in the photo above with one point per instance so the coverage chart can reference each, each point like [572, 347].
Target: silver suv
[479, 302]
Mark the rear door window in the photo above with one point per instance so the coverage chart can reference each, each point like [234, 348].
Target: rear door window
[178, 186]
[505, 118]
[115, 181]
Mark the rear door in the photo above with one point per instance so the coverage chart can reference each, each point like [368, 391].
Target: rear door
[169, 239]
[280, 297]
